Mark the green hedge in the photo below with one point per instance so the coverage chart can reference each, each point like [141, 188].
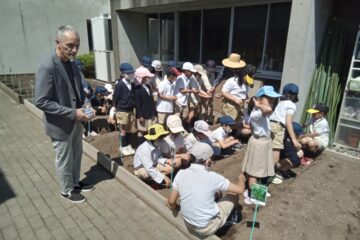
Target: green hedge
[89, 64]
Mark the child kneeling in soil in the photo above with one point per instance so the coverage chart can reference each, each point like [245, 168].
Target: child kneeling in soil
[196, 187]
[258, 159]
[173, 145]
[220, 136]
[148, 161]
[318, 138]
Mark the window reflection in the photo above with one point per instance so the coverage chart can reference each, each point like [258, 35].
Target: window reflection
[249, 32]
[189, 36]
[153, 35]
[167, 36]
[215, 40]
[276, 44]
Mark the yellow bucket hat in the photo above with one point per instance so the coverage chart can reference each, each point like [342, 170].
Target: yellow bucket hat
[155, 131]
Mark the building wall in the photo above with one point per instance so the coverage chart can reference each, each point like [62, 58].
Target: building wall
[306, 29]
[28, 29]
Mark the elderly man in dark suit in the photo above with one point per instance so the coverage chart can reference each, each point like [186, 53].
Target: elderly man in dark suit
[59, 94]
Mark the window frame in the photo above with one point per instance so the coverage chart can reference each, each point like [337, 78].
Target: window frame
[261, 73]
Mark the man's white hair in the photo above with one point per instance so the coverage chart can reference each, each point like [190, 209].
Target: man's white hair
[63, 29]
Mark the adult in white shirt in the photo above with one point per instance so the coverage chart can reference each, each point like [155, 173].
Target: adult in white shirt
[235, 89]
[183, 88]
[196, 187]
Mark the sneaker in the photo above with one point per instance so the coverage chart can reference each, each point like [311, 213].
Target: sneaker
[83, 187]
[268, 194]
[131, 150]
[289, 174]
[276, 180]
[93, 134]
[237, 146]
[125, 151]
[247, 199]
[74, 197]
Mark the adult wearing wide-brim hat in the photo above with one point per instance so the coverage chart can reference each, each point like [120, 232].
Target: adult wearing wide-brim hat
[235, 89]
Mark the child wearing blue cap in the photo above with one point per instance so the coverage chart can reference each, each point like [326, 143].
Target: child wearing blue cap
[124, 103]
[220, 136]
[258, 159]
[281, 119]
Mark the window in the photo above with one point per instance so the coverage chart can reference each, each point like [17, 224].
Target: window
[276, 39]
[167, 36]
[89, 34]
[153, 36]
[215, 39]
[189, 36]
[249, 33]
[258, 33]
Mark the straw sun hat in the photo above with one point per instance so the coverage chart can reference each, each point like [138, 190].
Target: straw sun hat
[233, 61]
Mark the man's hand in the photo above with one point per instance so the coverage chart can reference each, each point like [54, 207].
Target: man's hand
[81, 116]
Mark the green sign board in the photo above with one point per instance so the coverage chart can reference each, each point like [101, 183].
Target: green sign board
[258, 194]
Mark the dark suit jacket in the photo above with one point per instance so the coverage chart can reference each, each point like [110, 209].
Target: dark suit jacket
[54, 95]
[144, 103]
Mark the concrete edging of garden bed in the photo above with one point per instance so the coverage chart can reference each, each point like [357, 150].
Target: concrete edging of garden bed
[142, 190]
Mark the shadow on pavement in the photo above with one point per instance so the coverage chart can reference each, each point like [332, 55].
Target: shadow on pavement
[6, 191]
[96, 174]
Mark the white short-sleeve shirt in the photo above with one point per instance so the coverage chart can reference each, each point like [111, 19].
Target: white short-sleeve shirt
[196, 187]
[321, 127]
[232, 87]
[163, 105]
[260, 124]
[182, 82]
[284, 107]
[218, 135]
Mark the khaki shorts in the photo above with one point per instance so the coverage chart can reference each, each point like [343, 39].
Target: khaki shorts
[181, 111]
[277, 135]
[125, 119]
[162, 117]
[233, 110]
[143, 174]
[225, 208]
[144, 125]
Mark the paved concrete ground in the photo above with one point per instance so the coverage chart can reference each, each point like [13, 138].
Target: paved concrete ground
[30, 203]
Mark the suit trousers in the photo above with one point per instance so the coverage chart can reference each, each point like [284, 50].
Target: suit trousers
[68, 158]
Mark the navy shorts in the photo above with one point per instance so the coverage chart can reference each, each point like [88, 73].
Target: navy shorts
[290, 153]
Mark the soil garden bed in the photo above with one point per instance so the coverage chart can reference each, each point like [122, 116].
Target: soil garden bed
[322, 202]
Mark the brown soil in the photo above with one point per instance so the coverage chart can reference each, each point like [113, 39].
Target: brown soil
[323, 202]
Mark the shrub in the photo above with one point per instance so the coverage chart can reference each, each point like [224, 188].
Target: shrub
[89, 64]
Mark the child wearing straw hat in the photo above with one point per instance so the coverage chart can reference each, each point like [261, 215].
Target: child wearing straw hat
[144, 102]
[235, 89]
[258, 159]
[148, 161]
